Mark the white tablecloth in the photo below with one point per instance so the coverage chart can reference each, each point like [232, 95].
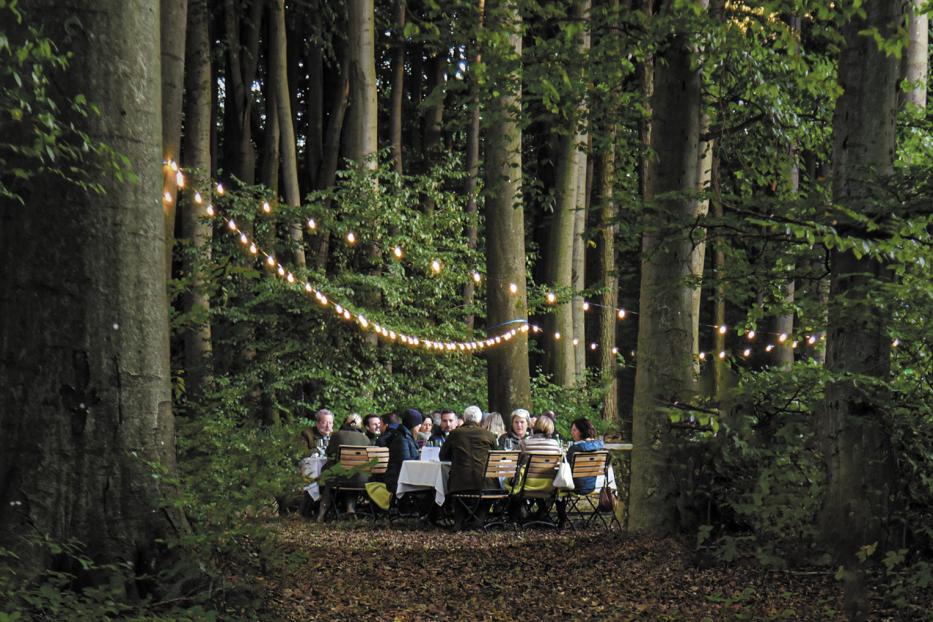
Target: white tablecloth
[311, 467]
[422, 475]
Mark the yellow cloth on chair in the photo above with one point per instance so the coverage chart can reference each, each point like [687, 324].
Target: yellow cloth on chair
[379, 494]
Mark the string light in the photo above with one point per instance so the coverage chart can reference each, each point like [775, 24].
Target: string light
[593, 347]
[179, 179]
[769, 347]
[747, 352]
[351, 238]
[435, 266]
[895, 343]
[311, 224]
[557, 335]
[551, 298]
[197, 198]
[782, 337]
[811, 340]
[751, 334]
[167, 196]
[576, 341]
[722, 331]
[209, 209]
[513, 288]
[586, 306]
[722, 355]
[477, 277]
[702, 356]
[220, 189]
[397, 251]
[621, 314]
[266, 207]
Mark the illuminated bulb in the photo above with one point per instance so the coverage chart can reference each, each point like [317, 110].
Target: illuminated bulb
[477, 277]
[243, 238]
[179, 179]
[209, 209]
[172, 164]
[794, 344]
[308, 288]
[338, 309]
[266, 207]
[551, 298]
[231, 224]
[769, 347]
[498, 339]
[392, 335]
[362, 321]
[586, 306]
[782, 337]
[220, 189]
[593, 347]
[536, 329]
[722, 330]
[436, 266]
[281, 270]
[615, 350]
[290, 278]
[323, 300]
[197, 198]
[416, 341]
[576, 341]
[811, 340]
[351, 238]
[253, 249]
[702, 356]
[557, 335]
[747, 352]
[347, 315]
[895, 343]
[722, 355]
[397, 251]
[312, 224]
[167, 196]
[270, 260]
[621, 314]
[513, 288]
[751, 334]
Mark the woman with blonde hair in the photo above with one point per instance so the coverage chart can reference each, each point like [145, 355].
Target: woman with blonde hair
[493, 422]
[542, 438]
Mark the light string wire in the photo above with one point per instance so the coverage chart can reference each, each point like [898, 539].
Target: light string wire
[491, 341]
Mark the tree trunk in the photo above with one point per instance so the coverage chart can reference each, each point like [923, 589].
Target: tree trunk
[917, 58]
[698, 255]
[84, 347]
[241, 69]
[664, 375]
[509, 385]
[472, 168]
[579, 258]
[606, 274]
[560, 248]
[283, 109]
[361, 134]
[269, 165]
[719, 264]
[434, 117]
[172, 30]
[194, 228]
[314, 106]
[855, 440]
[398, 86]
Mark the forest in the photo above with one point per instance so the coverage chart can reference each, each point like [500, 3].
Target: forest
[706, 226]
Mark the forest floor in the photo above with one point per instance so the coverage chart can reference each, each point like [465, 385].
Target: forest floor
[354, 570]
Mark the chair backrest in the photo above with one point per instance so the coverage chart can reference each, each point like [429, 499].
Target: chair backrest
[381, 456]
[589, 463]
[355, 457]
[501, 464]
[542, 465]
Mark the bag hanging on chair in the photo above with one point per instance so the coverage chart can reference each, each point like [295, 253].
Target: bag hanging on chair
[564, 478]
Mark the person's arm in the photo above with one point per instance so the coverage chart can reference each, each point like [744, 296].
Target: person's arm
[446, 451]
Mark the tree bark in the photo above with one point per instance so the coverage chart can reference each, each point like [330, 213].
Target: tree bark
[194, 228]
[172, 34]
[283, 109]
[855, 440]
[361, 134]
[84, 347]
[606, 274]
[242, 57]
[719, 264]
[664, 375]
[509, 385]
[579, 256]
[398, 86]
[472, 166]
[917, 58]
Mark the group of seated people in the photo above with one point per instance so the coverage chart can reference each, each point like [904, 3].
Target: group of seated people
[464, 441]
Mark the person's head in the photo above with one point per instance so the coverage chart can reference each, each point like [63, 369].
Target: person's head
[426, 425]
[581, 429]
[519, 423]
[412, 419]
[324, 422]
[388, 420]
[472, 414]
[448, 421]
[532, 421]
[550, 414]
[373, 424]
[353, 422]
[494, 423]
[544, 426]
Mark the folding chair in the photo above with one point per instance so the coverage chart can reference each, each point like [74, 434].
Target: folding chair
[361, 459]
[379, 456]
[584, 507]
[536, 484]
[499, 465]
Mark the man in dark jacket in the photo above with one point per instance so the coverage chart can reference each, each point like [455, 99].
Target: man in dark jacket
[467, 448]
[401, 443]
[446, 423]
[347, 435]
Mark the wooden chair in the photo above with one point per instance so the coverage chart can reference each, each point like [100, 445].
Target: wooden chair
[584, 507]
[535, 485]
[361, 459]
[489, 506]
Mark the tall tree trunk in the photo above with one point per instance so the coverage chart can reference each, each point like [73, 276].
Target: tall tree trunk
[85, 395]
[579, 257]
[314, 105]
[698, 255]
[719, 278]
[606, 277]
[434, 116]
[194, 228]
[917, 58]
[283, 110]
[560, 248]
[855, 440]
[472, 165]
[242, 58]
[398, 86]
[269, 163]
[172, 33]
[509, 384]
[665, 325]
[361, 133]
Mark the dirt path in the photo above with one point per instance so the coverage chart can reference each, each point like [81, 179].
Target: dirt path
[357, 571]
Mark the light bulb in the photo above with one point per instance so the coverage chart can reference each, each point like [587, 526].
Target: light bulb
[253, 249]
[811, 340]
[172, 164]
[621, 314]
[308, 288]
[243, 238]
[576, 341]
[586, 306]
[723, 329]
[197, 198]
[291, 278]
[557, 335]
[266, 207]
[167, 196]
[436, 266]
[179, 179]
[751, 334]
[270, 260]
[747, 352]
[346, 315]
[615, 350]
[397, 251]
[281, 270]
[209, 209]
[311, 224]
[722, 355]
[513, 288]
[782, 337]
[476, 277]
[220, 189]
[896, 343]
[769, 347]
[593, 347]
[702, 356]
[363, 322]
[351, 238]
[551, 298]
[231, 224]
